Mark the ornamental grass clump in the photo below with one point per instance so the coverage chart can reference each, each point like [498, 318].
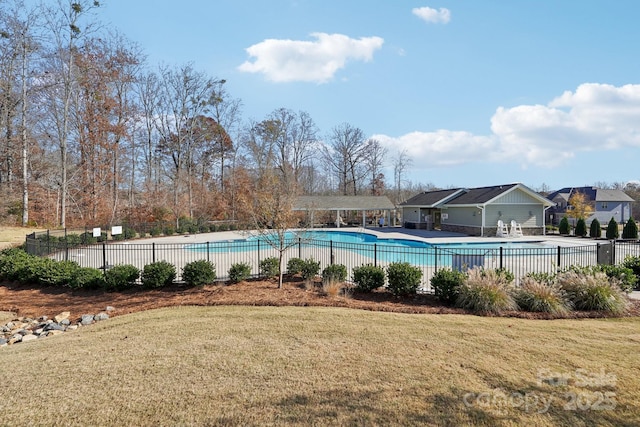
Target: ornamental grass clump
[593, 292]
[486, 292]
[541, 297]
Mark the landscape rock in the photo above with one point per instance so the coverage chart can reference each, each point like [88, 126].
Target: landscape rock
[62, 316]
[109, 308]
[54, 327]
[29, 337]
[100, 316]
[23, 329]
[87, 319]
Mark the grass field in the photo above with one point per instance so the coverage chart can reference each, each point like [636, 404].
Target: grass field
[325, 366]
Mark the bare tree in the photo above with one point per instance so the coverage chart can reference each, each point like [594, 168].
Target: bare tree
[402, 162]
[375, 156]
[64, 24]
[344, 155]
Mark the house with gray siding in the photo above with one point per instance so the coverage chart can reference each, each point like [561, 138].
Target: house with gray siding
[476, 211]
[605, 204]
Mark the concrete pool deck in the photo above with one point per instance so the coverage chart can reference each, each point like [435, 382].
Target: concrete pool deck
[433, 237]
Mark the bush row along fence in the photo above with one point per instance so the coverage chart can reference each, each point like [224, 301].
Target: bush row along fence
[223, 254]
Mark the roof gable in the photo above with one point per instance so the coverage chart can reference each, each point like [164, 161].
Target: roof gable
[593, 194]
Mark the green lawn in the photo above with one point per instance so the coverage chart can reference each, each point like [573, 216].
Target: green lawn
[301, 366]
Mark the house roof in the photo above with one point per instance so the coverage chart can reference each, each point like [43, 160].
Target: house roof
[481, 195]
[593, 194]
[431, 198]
[334, 203]
[469, 196]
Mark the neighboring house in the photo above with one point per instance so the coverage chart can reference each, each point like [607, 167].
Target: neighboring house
[606, 204]
[476, 211]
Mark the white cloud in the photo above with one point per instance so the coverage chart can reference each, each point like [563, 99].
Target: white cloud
[310, 61]
[594, 117]
[435, 16]
[440, 148]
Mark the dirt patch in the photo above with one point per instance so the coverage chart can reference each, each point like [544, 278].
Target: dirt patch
[29, 301]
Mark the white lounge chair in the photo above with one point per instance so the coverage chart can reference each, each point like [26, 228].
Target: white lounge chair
[502, 229]
[516, 229]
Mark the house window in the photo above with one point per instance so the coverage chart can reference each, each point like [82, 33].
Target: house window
[604, 205]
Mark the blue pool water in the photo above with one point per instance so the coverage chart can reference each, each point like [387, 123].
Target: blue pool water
[377, 249]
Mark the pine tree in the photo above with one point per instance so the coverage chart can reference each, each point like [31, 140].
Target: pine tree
[595, 230]
[581, 228]
[612, 229]
[563, 228]
[630, 230]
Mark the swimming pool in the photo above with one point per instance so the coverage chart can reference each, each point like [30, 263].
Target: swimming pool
[378, 250]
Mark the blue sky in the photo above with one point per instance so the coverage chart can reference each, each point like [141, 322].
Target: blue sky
[475, 92]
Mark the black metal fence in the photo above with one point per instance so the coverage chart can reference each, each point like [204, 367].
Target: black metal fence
[223, 254]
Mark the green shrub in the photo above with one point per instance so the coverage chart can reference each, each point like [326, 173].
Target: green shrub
[623, 276]
[612, 230]
[310, 269]
[71, 240]
[581, 228]
[56, 273]
[539, 296]
[87, 278]
[368, 277]
[563, 227]
[158, 274]
[334, 273]
[239, 272]
[446, 283]
[485, 292]
[502, 274]
[87, 238]
[593, 292]
[296, 265]
[169, 230]
[11, 261]
[630, 230]
[120, 277]
[633, 263]
[270, 267]
[595, 231]
[404, 279]
[155, 231]
[29, 270]
[199, 273]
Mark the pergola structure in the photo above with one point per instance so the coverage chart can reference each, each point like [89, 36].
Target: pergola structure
[339, 204]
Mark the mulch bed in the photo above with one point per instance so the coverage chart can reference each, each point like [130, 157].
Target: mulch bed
[30, 301]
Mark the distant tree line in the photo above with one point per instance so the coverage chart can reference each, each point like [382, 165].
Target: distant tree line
[92, 134]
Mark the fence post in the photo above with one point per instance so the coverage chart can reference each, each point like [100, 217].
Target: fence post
[104, 257]
[435, 258]
[48, 242]
[299, 247]
[332, 257]
[153, 252]
[558, 258]
[598, 253]
[208, 252]
[500, 257]
[375, 254]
